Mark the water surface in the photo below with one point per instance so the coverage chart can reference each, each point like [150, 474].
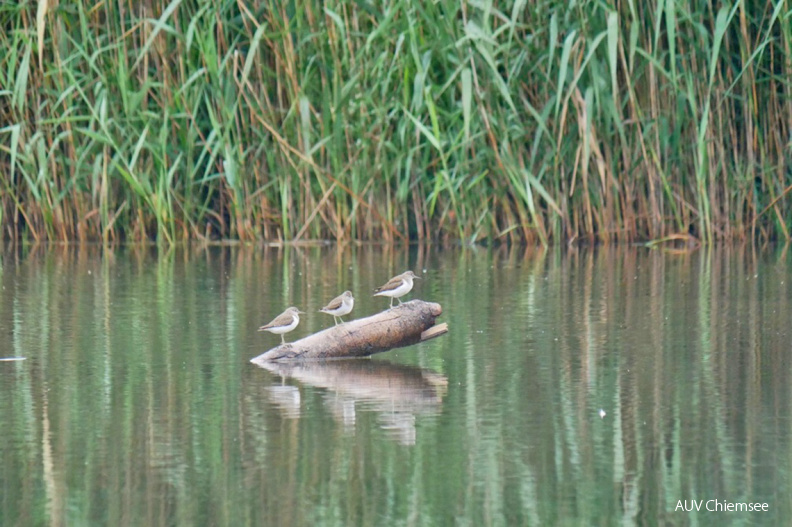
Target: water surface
[576, 387]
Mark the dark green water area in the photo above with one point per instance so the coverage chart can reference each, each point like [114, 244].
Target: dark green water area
[598, 386]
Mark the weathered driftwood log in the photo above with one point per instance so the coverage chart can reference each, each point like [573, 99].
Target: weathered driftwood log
[403, 325]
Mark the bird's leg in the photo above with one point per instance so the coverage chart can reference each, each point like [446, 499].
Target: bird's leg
[391, 303]
[335, 319]
[399, 299]
[283, 339]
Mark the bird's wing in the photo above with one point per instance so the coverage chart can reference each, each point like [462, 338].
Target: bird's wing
[334, 303]
[392, 284]
[284, 319]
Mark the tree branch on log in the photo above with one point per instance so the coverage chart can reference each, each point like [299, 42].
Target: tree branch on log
[403, 325]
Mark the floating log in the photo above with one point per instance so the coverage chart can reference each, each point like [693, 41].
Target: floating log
[403, 325]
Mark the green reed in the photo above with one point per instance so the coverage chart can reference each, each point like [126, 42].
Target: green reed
[286, 120]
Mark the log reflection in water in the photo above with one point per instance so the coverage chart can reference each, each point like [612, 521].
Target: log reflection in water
[398, 392]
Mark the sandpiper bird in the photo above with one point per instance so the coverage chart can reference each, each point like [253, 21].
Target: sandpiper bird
[340, 306]
[283, 323]
[397, 286]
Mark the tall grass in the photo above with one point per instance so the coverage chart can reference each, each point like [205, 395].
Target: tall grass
[286, 120]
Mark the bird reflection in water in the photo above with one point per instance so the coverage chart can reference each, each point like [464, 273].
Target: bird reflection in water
[286, 398]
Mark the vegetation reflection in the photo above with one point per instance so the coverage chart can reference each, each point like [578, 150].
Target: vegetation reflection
[137, 404]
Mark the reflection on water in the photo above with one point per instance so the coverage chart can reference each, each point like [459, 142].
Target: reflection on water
[397, 392]
[136, 404]
[286, 399]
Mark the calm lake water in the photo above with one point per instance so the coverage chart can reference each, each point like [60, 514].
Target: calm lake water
[575, 387]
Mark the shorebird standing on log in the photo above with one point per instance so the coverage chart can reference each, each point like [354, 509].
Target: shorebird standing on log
[340, 306]
[283, 323]
[397, 286]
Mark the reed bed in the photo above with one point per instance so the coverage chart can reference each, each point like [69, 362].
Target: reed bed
[518, 121]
